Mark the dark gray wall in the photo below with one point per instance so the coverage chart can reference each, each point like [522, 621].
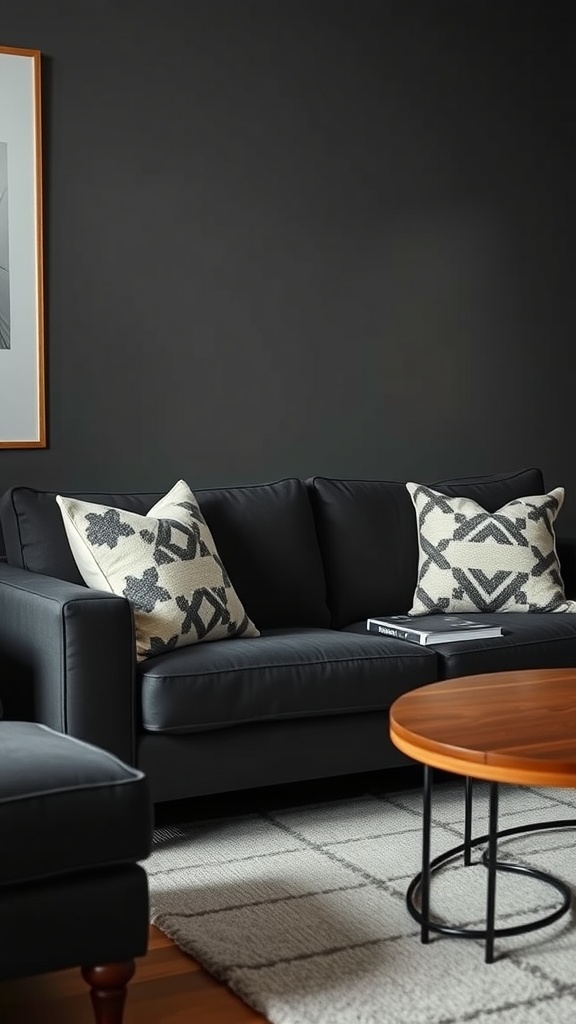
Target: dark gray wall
[287, 237]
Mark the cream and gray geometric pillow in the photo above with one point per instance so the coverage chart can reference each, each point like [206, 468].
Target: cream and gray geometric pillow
[165, 564]
[471, 560]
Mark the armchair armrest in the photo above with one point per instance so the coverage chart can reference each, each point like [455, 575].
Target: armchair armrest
[67, 659]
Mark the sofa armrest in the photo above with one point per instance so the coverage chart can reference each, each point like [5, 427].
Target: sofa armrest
[566, 549]
[67, 659]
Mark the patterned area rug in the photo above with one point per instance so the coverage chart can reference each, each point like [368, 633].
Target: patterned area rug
[301, 911]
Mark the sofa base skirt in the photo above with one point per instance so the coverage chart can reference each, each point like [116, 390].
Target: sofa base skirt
[266, 754]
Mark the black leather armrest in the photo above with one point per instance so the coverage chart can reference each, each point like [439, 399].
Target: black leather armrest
[67, 659]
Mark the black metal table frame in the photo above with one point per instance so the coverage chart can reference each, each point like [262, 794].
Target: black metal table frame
[421, 882]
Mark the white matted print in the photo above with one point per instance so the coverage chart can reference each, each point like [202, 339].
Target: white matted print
[22, 397]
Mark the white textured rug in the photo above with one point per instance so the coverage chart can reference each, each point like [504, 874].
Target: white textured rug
[301, 911]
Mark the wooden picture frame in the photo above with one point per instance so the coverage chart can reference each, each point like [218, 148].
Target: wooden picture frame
[22, 385]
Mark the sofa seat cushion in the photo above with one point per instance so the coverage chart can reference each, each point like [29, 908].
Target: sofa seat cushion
[66, 806]
[292, 673]
[534, 640]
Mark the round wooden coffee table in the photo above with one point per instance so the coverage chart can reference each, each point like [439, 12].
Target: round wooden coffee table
[514, 727]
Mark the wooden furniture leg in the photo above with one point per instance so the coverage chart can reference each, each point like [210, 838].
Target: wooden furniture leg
[108, 984]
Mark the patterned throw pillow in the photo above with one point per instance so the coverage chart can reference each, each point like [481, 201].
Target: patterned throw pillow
[472, 560]
[165, 563]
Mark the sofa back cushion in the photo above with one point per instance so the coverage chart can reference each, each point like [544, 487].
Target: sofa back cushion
[368, 536]
[265, 536]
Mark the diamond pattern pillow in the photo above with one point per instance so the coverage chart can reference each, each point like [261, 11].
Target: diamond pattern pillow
[165, 563]
[471, 560]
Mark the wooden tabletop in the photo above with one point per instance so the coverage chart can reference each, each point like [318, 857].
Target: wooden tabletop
[517, 727]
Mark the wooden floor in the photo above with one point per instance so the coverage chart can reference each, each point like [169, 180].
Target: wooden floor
[168, 988]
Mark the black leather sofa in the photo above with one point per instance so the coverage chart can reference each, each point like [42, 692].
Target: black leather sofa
[309, 698]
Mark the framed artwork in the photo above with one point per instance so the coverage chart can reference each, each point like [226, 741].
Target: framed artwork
[22, 386]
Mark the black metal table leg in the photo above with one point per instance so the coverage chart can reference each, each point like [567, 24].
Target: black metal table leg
[492, 864]
[468, 820]
[425, 887]
[418, 892]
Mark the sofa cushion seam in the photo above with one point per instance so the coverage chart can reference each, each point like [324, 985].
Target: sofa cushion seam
[252, 668]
